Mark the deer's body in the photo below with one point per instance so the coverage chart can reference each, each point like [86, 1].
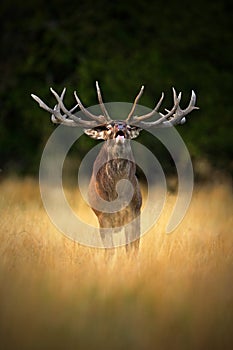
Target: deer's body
[115, 162]
[103, 185]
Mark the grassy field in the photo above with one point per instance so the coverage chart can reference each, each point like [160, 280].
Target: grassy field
[56, 294]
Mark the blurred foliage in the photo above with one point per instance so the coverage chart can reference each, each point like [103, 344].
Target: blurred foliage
[123, 44]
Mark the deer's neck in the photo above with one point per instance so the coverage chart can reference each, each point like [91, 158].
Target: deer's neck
[114, 162]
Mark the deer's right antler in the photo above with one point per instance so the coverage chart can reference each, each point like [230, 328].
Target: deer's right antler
[61, 115]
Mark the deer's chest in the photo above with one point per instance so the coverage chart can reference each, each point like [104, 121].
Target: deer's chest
[116, 169]
[112, 172]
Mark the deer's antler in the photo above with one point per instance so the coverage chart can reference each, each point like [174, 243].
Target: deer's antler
[173, 117]
[61, 115]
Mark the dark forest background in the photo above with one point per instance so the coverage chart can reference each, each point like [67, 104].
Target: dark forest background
[123, 44]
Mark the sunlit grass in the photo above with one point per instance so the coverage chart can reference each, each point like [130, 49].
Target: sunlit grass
[56, 294]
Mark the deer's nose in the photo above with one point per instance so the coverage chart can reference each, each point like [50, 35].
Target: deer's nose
[119, 132]
[119, 127]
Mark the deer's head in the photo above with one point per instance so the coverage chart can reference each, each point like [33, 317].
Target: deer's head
[118, 130]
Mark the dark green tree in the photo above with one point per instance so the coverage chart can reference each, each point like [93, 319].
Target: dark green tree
[123, 45]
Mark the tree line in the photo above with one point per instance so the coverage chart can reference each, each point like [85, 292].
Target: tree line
[122, 45]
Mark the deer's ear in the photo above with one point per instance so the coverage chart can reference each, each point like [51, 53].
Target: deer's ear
[134, 132]
[96, 133]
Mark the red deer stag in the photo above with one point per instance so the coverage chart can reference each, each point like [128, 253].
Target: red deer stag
[115, 160]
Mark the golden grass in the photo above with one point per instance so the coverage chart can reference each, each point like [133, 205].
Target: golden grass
[56, 294]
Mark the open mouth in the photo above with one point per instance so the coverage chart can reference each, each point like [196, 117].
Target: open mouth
[120, 136]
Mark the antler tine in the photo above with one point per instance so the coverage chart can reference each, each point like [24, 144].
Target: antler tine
[68, 118]
[134, 104]
[165, 117]
[179, 115]
[100, 119]
[155, 110]
[56, 116]
[192, 101]
[62, 94]
[63, 118]
[173, 117]
[102, 106]
[66, 111]
[42, 104]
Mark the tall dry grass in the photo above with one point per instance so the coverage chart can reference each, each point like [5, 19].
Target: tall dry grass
[56, 294]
